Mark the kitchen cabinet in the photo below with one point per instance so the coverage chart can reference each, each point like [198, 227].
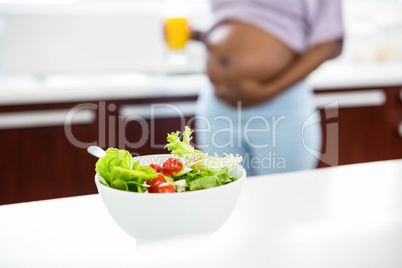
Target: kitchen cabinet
[44, 158]
[142, 126]
[367, 129]
[37, 160]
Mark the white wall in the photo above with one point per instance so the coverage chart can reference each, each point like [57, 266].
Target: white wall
[373, 31]
[94, 36]
[79, 38]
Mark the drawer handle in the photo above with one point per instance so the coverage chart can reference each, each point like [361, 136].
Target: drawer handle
[400, 130]
[400, 95]
[44, 118]
[364, 98]
[159, 110]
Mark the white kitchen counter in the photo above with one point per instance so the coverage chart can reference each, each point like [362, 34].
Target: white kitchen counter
[73, 88]
[338, 75]
[347, 216]
[80, 87]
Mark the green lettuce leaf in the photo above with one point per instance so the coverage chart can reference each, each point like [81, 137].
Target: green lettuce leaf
[132, 175]
[131, 180]
[113, 158]
[196, 159]
[182, 148]
[209, 178]
[118, 170]
[206, 171]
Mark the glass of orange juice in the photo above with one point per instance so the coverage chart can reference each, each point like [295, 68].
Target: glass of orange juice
[176, 30]
[177, 33]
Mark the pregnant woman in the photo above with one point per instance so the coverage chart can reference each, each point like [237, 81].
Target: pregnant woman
[257, 103]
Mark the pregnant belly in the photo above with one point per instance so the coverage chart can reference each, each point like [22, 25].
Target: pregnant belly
[237, 50]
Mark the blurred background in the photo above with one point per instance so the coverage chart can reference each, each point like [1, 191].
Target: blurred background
[45, 37]
[110, 59]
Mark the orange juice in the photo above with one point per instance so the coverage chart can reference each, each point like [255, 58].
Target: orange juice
[177, 32]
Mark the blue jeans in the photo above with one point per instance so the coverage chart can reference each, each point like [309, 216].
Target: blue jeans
[272, 137]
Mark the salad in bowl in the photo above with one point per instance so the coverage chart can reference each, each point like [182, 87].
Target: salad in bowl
[187, 169]
[162, 196]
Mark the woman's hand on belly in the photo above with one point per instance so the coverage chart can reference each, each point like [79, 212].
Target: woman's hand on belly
[246, 92]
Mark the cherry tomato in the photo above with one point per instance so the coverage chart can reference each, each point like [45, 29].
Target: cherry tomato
[157, 167]
[164, 187]
[155, 182]
[171, 166]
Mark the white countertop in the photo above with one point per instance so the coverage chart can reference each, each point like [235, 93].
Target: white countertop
[85, 87]
[76, 88]
[347, 216]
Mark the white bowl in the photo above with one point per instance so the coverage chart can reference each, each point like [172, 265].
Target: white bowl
[164, 215]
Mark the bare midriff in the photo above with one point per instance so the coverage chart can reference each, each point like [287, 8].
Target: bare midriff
[237, 50]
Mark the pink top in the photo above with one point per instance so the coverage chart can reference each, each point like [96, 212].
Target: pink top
[301, 24]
